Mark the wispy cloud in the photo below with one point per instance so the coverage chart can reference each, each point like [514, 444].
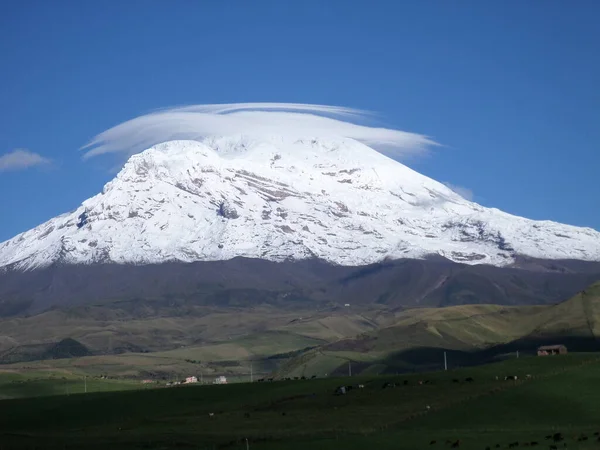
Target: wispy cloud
[464, 192]
[293, 120]
[21, 159]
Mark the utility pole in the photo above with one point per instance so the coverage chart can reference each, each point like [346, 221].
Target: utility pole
[251, 378]
[247, 444]
[517, 354]
[85, 384]
[201, 378]
[349, 368]
[445, 362]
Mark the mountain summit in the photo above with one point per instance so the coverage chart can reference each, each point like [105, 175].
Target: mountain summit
[278, 199]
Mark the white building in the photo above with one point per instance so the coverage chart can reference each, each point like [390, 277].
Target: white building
[189, 380]
[220, 380]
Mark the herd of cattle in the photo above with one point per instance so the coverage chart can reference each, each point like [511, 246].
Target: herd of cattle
[406, 382]
[557, 440]
[341, 390]
[388, 384]
[270, 380]
[553, 441]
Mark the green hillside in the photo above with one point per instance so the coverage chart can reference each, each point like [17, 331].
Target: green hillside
[469, 333]
[105, 330]
[294, 343]
[578, 316]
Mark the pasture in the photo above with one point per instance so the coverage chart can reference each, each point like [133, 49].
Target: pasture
[560, 397]
[39, 383]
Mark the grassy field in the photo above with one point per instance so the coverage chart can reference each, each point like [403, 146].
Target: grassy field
[561, 396]
[46, 383]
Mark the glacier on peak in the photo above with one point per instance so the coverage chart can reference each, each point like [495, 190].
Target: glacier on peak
[277, 198]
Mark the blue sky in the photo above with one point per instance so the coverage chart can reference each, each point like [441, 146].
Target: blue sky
[510, 88]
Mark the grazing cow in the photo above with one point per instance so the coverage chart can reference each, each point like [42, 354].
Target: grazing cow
[553, 447]
[247, 415]
[303, 377]
[420, 382]
[388, 385]
[582, 438]
[432, 443]
[557, 437]
[596, 434]
[513, 444]
[533, 443]
[361, 386]
[340, 390]
[469, 380]
[211, 415]
[283, 413]
[456, 444]
[510, 377]
[405, 382]
[313, 377]
[497, 445]
[488, 448]
[455, 381]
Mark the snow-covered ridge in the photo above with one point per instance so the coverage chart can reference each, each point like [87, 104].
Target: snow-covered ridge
[277, 198]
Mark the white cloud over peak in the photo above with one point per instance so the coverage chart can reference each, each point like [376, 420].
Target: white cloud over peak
[21, 159]
[294, 120]
[464, 192]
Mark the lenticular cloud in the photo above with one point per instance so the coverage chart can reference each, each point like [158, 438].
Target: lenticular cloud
[292, 120]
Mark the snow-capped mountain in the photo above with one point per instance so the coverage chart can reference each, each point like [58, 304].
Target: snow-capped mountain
[278, 199]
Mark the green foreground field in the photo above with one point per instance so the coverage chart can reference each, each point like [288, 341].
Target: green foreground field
[560, 396]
